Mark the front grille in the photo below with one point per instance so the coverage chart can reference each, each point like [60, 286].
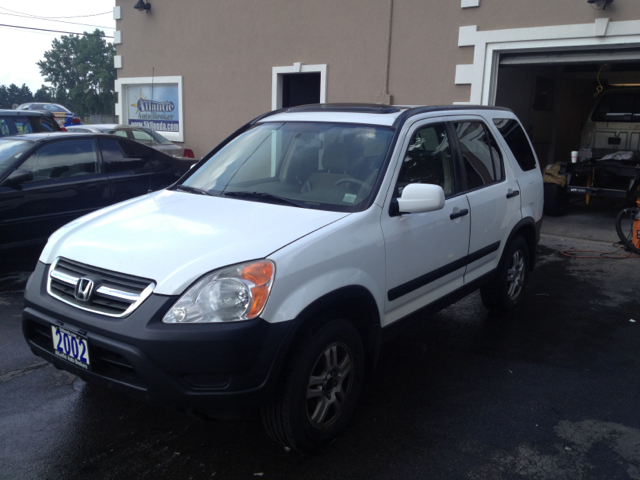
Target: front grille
[113, 294]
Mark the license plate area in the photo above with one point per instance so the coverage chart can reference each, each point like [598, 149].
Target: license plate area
[70, 346]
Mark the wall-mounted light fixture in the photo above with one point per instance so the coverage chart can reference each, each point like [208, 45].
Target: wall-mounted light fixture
[601, 4]
[143, 6]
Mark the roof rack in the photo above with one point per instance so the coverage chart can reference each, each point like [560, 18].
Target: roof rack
[346, 107]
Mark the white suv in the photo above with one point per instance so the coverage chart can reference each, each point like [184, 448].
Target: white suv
[270, 273]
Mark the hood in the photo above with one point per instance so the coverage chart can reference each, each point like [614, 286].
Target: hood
[176, 237]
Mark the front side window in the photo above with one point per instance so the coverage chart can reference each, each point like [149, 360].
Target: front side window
[428, 159]
[312, 165]
[480, 155]
[69, 158]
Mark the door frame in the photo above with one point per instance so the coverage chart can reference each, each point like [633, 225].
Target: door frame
[482, 74]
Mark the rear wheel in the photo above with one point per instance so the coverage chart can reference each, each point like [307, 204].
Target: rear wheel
[505, 291]
[319, 391]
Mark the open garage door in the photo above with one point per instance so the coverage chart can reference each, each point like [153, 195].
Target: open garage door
[552, 92]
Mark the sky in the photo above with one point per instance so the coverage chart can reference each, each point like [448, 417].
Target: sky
[22, 48]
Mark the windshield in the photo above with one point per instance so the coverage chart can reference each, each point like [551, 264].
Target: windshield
[157, 137]
[313, 165]
[10, 151]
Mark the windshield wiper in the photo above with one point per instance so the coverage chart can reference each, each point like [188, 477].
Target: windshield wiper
[266, 196]
[189, 189]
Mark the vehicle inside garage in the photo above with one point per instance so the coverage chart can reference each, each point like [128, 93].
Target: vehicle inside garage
[553, 92]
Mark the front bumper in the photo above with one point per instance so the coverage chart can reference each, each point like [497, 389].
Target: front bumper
[204, 367]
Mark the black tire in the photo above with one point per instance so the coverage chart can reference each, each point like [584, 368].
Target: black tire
[505, 291]
[556, 199]
[626, 238]
[319, 389]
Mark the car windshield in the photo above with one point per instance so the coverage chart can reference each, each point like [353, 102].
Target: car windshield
[324, 166]
[10, 151]
[157, 137]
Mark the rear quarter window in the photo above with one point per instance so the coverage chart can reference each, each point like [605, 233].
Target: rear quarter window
[618, 107]
[517, 141]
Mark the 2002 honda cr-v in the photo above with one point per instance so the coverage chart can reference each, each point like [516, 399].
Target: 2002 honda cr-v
[268, 274]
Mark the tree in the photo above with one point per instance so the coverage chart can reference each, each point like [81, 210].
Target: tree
[13, 94]
[43, 94]
[81, 71]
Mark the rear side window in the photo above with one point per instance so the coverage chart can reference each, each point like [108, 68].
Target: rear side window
[517, 141]
[121, 155]
[13, 125]
[44, 124]
[481, 157]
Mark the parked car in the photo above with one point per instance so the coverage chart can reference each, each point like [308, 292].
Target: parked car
[141, 134]
[47, 180]
[270, 273]
[14, 122]
[608, 162]
[63, 115]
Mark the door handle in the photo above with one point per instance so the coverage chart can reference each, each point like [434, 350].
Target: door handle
[515, 193]
[459, 214]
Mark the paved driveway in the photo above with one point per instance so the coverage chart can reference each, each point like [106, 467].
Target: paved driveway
[550, 392]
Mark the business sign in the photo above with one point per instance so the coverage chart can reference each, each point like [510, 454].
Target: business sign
[154, 106]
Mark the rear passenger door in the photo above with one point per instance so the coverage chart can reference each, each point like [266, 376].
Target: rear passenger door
[491, 190]
[524, 160]
[134, 169]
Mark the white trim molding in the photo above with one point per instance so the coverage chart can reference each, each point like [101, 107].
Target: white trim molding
[117, 13]
[124, 102]
[482, 74]
[276, 81]
[117, 61]
[117, 37]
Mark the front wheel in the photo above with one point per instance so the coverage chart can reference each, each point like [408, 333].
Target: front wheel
[505, 291]
[319, 391]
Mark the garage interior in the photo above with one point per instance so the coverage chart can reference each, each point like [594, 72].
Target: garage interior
[553, 92]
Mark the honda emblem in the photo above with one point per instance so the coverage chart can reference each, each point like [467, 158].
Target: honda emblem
[84, 288]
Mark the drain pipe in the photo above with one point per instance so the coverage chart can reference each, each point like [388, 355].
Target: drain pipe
[385, 96]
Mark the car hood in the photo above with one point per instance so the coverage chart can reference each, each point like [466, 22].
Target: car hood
[176, 237]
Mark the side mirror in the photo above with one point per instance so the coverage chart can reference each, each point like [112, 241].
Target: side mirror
[17, 177]
[418, 198]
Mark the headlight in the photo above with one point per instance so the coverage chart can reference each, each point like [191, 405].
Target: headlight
[228, 295]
